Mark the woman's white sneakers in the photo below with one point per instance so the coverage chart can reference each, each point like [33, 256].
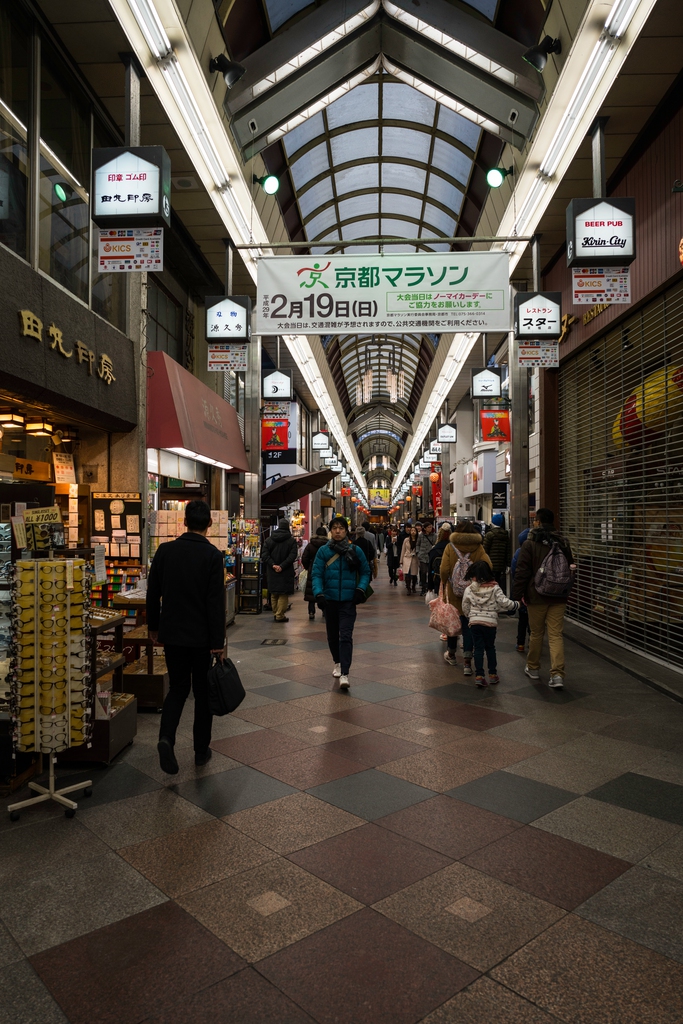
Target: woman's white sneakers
[336, 671]
[344, 683]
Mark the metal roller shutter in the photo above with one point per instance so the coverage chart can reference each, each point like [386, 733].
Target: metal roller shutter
[621, 465]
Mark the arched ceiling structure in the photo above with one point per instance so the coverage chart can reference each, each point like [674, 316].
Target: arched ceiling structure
[381, 118]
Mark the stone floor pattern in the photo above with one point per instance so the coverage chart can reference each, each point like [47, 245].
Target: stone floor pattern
[415, 850]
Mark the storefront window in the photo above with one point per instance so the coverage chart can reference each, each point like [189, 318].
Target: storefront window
[14, 117]
[64, 172]
[164, 321]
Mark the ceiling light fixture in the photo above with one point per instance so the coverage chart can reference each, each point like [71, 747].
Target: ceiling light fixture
[497, 175]
[538, 55]
[270, 183]
[39, 427]
[229, 69]
[10, 420]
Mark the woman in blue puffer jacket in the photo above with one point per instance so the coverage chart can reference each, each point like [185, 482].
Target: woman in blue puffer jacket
[340, 575]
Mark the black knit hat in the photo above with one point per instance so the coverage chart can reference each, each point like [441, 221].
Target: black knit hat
[339, 519]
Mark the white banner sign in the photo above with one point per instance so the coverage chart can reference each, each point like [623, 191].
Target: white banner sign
[228, 357]
[123, 249]
[591, 285]
[418, 291]
[447, 434]
[127, 185]
[539, 353]
[64, 468]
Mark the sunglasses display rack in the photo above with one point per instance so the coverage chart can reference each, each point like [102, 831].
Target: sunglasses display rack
[51, 685]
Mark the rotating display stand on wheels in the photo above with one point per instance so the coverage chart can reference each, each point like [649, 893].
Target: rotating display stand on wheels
[50, 676]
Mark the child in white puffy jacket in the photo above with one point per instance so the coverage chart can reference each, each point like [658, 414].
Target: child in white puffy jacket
[482, 601]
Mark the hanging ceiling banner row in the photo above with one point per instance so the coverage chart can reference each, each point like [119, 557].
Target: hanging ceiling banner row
[435, 292]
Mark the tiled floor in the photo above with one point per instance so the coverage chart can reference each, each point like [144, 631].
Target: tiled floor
[416, 850]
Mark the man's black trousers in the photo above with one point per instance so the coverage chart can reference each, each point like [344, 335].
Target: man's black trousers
[187, 669]
[340, 617]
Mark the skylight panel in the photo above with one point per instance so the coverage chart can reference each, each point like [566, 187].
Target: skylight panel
[409, 206]
[449, 159]
[359, 206]
[350, 179]
[445, 193]
[403, 103]
[405, 142]
[442, 222]
[303, 133]
[485, 7]
[314, 197]
[459, 127]
[355, 145]
[280, 11]
[311, 164]
[361, 104]
[395, 228]
[320, 225]
[403, 176]
[361, 229]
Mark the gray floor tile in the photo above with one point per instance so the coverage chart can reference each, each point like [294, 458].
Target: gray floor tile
[647, 796]
[142, 817]
[9, 950]
[614, 830]
[647, 733]
[668, 858]
[24, 999]
[542, 692]
[73, 898]
[376, 692]
[371, 794]
[643, 906]
[512, 796]
[376, 646]
[288, 690]
[233, 791]
[462, 692]
[118, 782]
[539, 733]
[24, 852]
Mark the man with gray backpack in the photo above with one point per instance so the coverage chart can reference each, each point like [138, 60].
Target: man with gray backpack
[543, 580]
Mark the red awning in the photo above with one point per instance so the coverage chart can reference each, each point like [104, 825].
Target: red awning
[186, 417]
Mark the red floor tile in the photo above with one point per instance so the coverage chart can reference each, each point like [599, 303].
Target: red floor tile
[257, 746]
[310, 767]
[366, 970]
[373, 748]
[374, 716]
[247, 998]
[449, 826]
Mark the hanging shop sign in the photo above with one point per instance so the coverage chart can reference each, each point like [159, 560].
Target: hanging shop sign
[321, 441]
[495, 424]
[280, 456]
[276, 384]
[601, 231]
[499, 495]
[439, 292]
[224, 356]
[117, 522]
[65, 472]
[486, 382]
[539, 353]
[538, 314]
[598, 285]
[346, 477]
[345, 491]
[276, 410]
[228, 317]
[131, 187]
[274, 435]
[120, 250]
[29, 469]
[379, 495]
[447, 434]
[435, 448]
[44, 528]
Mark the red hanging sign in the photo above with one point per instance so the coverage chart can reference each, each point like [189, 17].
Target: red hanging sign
[274, 435]
[495, 424]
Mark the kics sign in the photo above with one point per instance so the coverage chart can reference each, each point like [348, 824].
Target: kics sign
[601, 232]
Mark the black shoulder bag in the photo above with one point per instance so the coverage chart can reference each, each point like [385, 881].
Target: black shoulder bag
[226, 692]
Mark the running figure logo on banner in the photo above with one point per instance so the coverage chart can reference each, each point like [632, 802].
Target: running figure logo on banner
[437, 291]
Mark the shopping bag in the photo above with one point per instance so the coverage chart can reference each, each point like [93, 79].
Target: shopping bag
[444, 617]
[303, 576]
[226, 692]
[430, 596]
[400, 575]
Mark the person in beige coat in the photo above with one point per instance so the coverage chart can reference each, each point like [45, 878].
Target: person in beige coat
[409, 560]
[465, 542]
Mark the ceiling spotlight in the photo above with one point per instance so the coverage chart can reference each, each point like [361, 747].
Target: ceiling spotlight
[63, 192]
[497, 175]
[230, 69]
[537, 56]
[269, 183]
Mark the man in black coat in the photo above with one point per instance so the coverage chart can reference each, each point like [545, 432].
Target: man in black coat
[186, 613]
[279, 555]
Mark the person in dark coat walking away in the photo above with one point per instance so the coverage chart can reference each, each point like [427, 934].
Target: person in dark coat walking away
[279, 555]
[366, 547]
[497, 547]
[186, 613]
[523, 621]
[341, 576]
[425, 543]
[391, 546]
[545, 613]
[307, 559]
[435, 555]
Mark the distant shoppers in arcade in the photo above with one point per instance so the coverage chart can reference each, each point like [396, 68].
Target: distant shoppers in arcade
[463, 550]
[279, 555]
[369, 535]
[186, 613]
[409, 560]
[307, 559]
[341, 576]
[546, 611]
[435, 556]
[393, 552]
[366, 547]
[425, 543]
[497, 547]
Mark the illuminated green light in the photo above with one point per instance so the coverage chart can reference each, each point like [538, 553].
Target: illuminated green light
[269, 183]
[497, 175]
[60, 192]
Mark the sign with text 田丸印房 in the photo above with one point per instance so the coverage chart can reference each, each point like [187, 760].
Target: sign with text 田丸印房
[601, 232]
[131, 187]
[420, 291]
